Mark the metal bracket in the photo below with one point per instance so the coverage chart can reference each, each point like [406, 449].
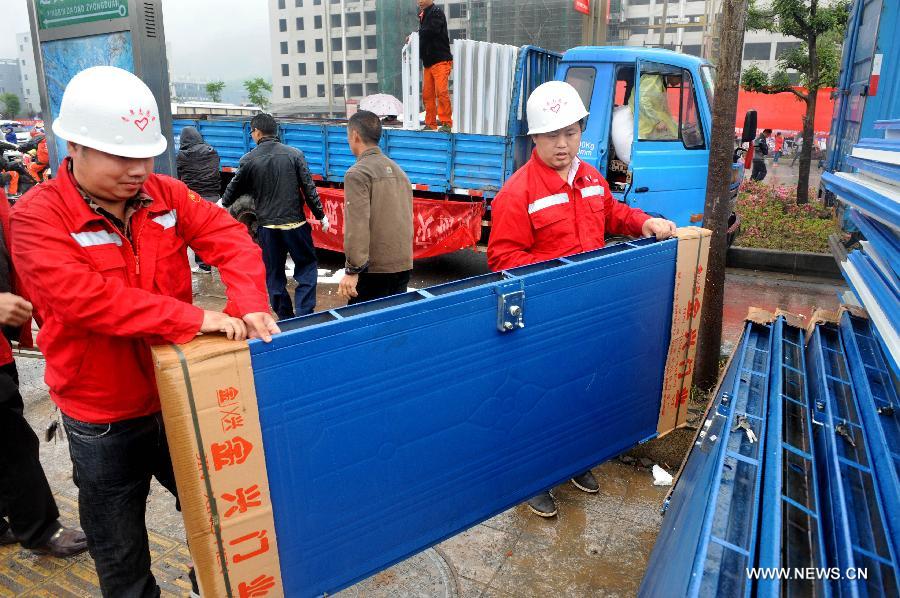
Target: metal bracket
[510, 310]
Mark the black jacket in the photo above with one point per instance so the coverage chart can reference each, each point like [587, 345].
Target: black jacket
[434, 42]
[761, 147]
[198, 164]
[276, 176]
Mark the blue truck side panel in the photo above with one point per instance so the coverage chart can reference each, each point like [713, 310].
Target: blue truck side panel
[871, 35]
[422, 441]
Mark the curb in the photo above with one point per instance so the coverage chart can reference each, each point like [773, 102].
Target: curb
[801, 263]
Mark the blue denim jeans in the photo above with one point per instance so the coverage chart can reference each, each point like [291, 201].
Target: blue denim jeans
[276, 245]
[112, 467]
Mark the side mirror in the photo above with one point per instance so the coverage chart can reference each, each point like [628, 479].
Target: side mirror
[749, 133]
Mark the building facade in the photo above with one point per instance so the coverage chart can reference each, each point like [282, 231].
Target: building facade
[11, 81]
[31, 95]
[325, 52]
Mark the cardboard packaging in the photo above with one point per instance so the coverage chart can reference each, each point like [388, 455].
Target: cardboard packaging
[690, 282]
[212, 425]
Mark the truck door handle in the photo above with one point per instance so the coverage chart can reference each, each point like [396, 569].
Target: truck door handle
[642, 189]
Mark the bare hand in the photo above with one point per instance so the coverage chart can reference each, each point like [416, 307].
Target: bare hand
[216, 321]
[262, 325]
[347, 287]
[662, 228]
[14, 311]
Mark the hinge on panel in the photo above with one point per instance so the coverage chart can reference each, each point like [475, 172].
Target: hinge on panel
[510, 308]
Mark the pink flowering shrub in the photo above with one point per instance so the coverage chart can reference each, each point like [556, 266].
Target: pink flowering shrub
[771, 219]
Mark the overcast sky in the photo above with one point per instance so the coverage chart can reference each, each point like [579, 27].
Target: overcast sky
[209, 39]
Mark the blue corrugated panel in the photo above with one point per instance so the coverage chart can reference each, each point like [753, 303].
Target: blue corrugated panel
[231, 138]
[309, 139]
[879, 411]
[885, 246]
[479, 162]
[790, 533]
[425, 156]
[438, 421]
[710, 559]
[340, 158]
[882, 169]
[868, 200]
[856, 537]
[177, 126]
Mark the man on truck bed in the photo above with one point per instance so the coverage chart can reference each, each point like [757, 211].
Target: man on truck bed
[556, 205]
[101, 253]
[434, 49]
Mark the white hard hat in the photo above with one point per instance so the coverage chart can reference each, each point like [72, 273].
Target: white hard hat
[553, 106]
[111, 110]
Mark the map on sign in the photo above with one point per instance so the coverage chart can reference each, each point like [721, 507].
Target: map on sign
[60, 13]
[64, 58]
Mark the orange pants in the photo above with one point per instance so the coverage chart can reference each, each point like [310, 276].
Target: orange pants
[36, 170]
[13, 187]
[437, 85]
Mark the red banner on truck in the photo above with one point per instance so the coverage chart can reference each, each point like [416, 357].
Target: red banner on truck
[439, 226]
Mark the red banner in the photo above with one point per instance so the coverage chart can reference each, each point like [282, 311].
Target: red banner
[439, 226]
[583, 6]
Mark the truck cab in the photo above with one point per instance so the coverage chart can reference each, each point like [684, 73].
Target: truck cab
[655, 107]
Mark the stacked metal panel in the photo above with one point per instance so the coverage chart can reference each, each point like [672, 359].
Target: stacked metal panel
[813, 509]
[872, 195]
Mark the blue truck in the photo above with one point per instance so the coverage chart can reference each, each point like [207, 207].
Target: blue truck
[664, 175]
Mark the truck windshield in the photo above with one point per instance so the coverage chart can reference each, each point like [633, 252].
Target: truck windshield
[708, 74]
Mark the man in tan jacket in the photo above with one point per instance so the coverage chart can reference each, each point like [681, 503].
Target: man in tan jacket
[378, 228]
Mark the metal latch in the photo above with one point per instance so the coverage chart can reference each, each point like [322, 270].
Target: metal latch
[511, 311]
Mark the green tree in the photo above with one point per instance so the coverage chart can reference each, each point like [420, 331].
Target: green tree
[257, 91]
[11, 104]
[820, 29]
[214, 89]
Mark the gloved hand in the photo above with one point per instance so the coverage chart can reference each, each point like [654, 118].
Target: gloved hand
[326, 225]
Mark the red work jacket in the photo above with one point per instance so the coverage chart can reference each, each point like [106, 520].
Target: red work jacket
[24, 339]
[102, 300]
[537, 216]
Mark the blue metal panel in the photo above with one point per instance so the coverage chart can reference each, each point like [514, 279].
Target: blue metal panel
[340, 158]
[535, 66]
[441, 421]
[879, 412]
[425, 156]
[882, 169]
[231, 138]
[309, 139]
[177, 126]
[852, 511]
[478, 162]
[884, 242]
[790, 533]
[711, 540]
[885, 210]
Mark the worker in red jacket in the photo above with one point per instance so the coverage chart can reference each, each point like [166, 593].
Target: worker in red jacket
[28, 511]
[556, 205]
[101, 251]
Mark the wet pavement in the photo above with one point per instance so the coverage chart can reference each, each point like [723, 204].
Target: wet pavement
[598, 545]
[785, 173]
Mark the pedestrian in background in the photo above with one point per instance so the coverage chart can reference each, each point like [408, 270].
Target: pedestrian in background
[100, 251]
[434, 50]
[278, 179]
[28, 511]
[378, 225]
[197, 163]
[760, 151]
[779, 147]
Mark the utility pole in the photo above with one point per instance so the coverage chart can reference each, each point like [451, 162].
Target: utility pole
[718, 194]
[662, 31]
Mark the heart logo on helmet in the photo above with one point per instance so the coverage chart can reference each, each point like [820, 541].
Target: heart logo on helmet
[145, 118]
[142, 123]
[555, 108]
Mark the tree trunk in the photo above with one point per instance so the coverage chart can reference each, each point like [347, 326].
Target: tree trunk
[718, 193]
[809, 133]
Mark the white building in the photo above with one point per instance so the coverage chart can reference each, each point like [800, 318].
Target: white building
[324, 52]
[31, 95]
[640, 23]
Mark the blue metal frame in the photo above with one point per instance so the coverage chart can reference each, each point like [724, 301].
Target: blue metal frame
[852, 510]
[884, 209]
[879, 411]
[885, 244]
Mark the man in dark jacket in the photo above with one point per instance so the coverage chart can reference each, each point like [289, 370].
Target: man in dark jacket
[277, 177]
[760, 151]
[434, 49]
[198, 168]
